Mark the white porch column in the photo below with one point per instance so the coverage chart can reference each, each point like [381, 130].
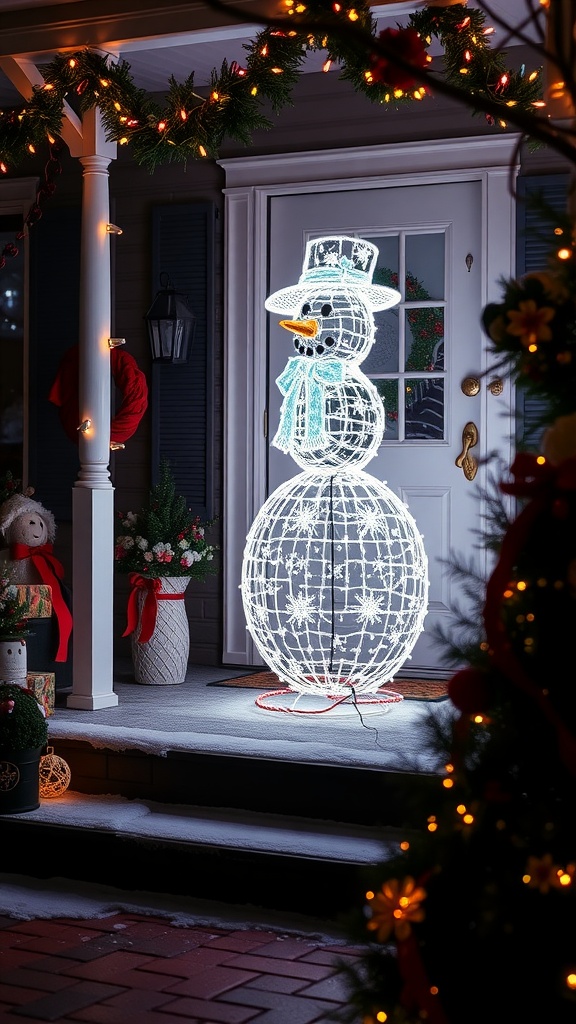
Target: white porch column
[93, 494]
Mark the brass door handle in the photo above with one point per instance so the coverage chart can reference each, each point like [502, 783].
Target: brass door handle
[466, 462]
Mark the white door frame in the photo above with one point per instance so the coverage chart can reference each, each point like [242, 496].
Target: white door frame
[250, 182]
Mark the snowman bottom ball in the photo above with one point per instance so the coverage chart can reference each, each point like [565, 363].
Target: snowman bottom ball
[334, 583]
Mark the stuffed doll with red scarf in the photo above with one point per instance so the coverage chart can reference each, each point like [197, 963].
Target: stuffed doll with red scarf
[29, 530]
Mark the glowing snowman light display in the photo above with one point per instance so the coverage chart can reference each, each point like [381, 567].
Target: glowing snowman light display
[334, 575]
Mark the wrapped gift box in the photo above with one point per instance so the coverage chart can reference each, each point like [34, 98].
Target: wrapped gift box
[43, 686]
[42, 643]
[40, 597]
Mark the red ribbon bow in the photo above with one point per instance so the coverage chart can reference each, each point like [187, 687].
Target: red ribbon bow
[151, 590]
[51, 571]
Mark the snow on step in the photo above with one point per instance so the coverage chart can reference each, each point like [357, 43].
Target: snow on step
[222, 827]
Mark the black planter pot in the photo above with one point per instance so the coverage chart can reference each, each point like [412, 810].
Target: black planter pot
[19, 780]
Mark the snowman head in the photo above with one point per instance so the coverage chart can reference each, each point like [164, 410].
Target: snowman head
[332, 324]
[25, 521]
[331, 307]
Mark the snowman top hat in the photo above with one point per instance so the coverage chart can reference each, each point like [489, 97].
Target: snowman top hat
[21, 505]
[336, 261]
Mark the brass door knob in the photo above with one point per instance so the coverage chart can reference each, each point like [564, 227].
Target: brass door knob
[470, 386]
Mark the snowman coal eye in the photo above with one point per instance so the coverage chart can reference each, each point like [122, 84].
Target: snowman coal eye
[306, 309]
[326, 309]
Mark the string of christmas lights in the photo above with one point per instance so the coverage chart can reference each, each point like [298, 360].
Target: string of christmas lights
[52, 168]
[192, 125]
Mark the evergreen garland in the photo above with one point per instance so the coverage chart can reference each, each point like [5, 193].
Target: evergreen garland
[468, 57]
[192, 125]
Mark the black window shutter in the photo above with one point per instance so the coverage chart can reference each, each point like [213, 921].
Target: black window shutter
[54, 325]
[182, 396]
[532, 256]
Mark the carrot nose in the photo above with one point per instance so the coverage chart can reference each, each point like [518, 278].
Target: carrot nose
[307, 328]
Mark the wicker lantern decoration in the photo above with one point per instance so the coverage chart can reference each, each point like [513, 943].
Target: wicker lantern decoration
[54, 775]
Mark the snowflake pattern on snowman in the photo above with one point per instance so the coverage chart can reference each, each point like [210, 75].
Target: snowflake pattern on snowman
[334, 574]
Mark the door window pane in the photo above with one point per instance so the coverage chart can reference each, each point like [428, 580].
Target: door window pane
[425, 338]
[424, 409]
[388, 262]
[424, 266]
[388, 391]
[383, 357]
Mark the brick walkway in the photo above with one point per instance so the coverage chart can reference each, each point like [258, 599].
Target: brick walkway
[132, 968]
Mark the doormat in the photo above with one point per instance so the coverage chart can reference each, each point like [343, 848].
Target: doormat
[410, 689]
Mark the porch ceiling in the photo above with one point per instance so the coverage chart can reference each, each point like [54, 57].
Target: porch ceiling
[157, 40]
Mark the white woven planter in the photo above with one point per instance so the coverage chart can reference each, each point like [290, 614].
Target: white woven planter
[163, 659]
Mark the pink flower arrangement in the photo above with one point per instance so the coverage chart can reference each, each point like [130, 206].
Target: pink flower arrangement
[164, 539]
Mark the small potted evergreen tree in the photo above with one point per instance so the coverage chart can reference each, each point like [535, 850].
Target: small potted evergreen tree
[162, 548]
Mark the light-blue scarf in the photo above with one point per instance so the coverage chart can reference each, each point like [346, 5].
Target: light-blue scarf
[313, 374]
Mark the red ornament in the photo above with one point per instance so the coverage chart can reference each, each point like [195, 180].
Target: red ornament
[407, 44]
[469, 691]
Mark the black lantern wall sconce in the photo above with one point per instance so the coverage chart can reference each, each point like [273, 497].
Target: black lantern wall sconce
[171, 325]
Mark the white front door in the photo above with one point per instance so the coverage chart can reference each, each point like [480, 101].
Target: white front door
[442, 215]
[429, 240]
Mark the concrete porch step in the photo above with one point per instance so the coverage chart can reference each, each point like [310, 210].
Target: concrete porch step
[272, 861]
[349, 793]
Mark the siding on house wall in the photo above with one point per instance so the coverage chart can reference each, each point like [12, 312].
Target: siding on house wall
[326, 114]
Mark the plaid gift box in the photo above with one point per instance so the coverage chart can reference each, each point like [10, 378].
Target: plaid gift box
[40, 597]
[43, 685]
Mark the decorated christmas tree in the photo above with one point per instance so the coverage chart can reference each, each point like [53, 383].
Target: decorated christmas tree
[472, 921]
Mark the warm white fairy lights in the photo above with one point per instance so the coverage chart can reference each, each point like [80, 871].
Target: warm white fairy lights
[334, 576]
